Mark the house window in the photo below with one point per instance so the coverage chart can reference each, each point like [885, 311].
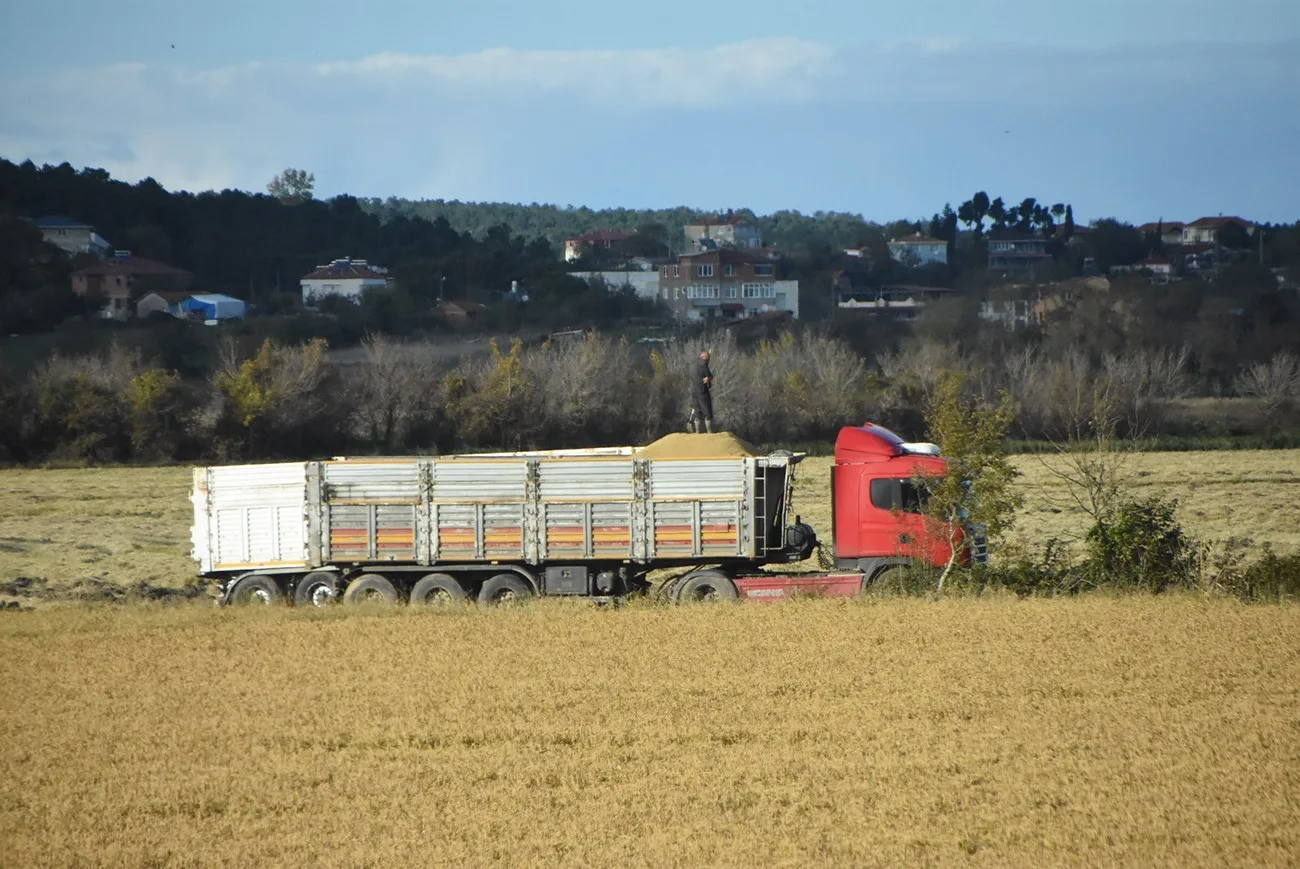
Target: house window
[758, 291]
[732, 290]
[677, 293]
[729, 270]
[704, 271]
[763, 270]
[677, 271]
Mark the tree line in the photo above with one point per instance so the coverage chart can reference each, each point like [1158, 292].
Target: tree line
[257, 247]
[266, 400]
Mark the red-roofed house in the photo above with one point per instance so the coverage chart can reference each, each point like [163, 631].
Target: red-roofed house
[344, 277]
[1206, 229]
[1171, 231]
[123, 277]
[575, 247]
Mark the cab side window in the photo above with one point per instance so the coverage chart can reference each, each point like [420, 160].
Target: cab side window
[884, 494]
[904, 495]
[914, 497]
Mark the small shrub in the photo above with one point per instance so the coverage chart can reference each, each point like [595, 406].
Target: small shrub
[1049, 570]
[1142, 545]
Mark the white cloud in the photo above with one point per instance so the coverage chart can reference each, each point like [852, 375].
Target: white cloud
[784, 68]
[514, 124]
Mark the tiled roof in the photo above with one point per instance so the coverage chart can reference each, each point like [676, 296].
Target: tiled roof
[1166, 226]
[59, 222]
[1220, 221]
[135, 265]
[341, 272]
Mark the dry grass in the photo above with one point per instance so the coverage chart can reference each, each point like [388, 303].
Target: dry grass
[1136, 731]
[1246, 493]
[90, 529]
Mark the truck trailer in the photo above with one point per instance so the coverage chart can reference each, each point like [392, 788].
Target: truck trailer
[588, 523]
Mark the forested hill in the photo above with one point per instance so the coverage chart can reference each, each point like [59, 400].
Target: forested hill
[786, 230]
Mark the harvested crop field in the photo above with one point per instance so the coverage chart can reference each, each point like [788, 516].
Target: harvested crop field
[1096, 731]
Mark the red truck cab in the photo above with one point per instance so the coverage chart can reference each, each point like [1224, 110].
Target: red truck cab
[877, 502]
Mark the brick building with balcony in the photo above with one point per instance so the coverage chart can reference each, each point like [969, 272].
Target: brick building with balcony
[725, 284]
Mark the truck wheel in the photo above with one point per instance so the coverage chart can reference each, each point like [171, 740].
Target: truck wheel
[370, 588]
[504, 588]
[707, 585]
[437, 589]
[317, 589]
[254, 589]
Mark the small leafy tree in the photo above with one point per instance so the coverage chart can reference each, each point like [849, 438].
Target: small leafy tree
[498, 410]
[292, 186]
[976, 487]
[153, 408]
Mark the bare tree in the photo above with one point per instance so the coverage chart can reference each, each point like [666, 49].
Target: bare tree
[386, 391]
[1276, 383]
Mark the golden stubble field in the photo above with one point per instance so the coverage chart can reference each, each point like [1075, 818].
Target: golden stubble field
[87, 531]
[1097, 731]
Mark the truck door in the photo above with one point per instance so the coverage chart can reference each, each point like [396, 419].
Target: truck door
[893, 521]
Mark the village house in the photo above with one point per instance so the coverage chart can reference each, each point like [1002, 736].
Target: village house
[735, 231]
[459, 314]
[919, 249]
[123, 277]
[725, 284]
[347, 278]
[578, 246]
[1159, 268]
[1206, 230]
[72, 236]
[645, 284]
[892, 301]
[160, 302]
[1169, 232]
[1017, 253]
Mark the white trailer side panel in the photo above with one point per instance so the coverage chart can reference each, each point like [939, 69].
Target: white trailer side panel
[251, 516]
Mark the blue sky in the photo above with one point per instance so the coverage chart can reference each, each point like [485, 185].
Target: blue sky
[1140, 109]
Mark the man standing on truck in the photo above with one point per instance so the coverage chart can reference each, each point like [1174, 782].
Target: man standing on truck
[701, 419]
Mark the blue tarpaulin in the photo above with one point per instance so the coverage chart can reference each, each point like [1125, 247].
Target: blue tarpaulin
[214, 306]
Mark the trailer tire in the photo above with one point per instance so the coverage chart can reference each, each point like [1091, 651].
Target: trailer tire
[438, 589]
[706, 585]
[254, 588]
[504, 588]
[370, 588]
[318, 589]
